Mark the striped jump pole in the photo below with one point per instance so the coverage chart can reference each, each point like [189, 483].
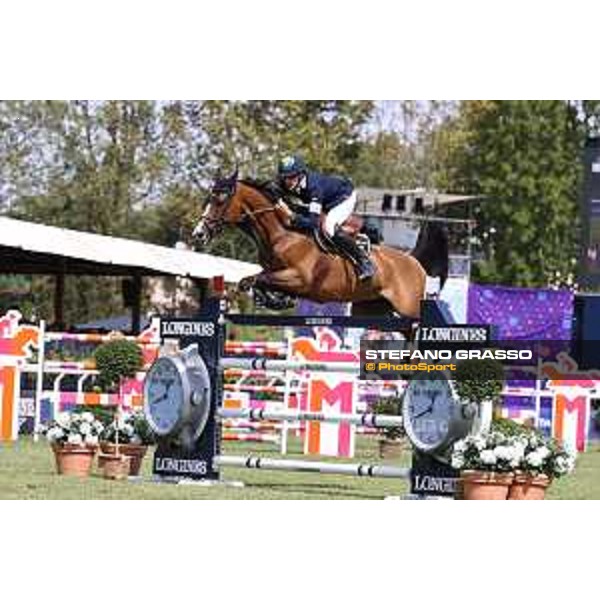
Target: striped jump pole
[256, 388]
[270, 352]
[262, 414]
[251, 437]
[309, 466]
[267, 364]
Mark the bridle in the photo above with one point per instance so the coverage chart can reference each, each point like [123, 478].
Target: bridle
[215, 225]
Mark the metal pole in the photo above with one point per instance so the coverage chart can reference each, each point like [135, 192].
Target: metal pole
[263, 414]
[269, 364]
[308, 466]
[39, 381]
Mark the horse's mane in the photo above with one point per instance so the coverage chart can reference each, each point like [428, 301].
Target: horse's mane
[271, 190]
[267, 187]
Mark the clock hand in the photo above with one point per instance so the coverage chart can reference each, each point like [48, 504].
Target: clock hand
[424, 412]
[161, 399]
[433, 396]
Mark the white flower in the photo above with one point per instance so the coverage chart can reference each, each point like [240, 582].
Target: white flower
[488, 457]
[88, 417]
[63, 419]
[543, 452]
[503, 453]
[54, 434]
[458, 461]
[128, 429]
[479, 443]
[91, 439]
[534, 459]
[98, 427]
[74, 438]
[460, 446]
[136, 439]
[85, 428]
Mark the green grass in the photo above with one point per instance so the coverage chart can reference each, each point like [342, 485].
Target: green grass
[27, 472]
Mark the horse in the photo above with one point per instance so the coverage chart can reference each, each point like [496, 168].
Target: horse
[295, 265]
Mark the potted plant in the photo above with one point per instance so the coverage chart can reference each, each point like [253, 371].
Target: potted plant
[393, 441]
[133, 434]
[74, 440]
[544, 459]
[487, 462]
[479, 384]
[117, 360]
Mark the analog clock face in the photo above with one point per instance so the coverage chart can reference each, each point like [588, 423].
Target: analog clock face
[428, 411]
[164, 395]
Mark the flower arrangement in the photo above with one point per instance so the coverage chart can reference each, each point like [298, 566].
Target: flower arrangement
[527, 452]
[132, 428]
[78, 429]
[490, 451]
[545, 456]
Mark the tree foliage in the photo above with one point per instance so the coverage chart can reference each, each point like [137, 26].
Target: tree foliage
[523, 158]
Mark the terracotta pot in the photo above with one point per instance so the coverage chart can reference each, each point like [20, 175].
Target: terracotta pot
[529, 487]
[392, 448]
[72, 459]
[135, 451]
[485, 485]
[116, 466]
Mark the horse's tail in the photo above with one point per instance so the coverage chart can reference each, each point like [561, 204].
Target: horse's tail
[431, 250]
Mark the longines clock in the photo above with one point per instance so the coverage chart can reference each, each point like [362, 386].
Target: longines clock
[177, 396]
[433, 415]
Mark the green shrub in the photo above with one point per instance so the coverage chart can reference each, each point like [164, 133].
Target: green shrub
[117, 360]
[479, 380]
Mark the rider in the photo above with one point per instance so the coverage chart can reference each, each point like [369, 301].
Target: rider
[334, 196]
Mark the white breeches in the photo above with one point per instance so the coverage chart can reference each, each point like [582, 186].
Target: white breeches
[338, 214]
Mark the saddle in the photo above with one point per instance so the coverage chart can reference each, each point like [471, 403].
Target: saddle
[353, 226]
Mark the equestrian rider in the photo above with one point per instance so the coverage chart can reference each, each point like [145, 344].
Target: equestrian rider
[333, 196]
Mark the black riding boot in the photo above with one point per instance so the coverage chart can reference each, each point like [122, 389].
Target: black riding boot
[364, 266]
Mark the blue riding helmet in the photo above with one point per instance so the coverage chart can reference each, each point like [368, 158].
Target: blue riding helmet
[291, 166]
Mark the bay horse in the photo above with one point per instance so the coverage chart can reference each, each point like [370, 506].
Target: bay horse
[295, 265]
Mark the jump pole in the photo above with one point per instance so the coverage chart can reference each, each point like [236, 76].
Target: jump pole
[268, 364]
[309, 466]
[263, 414]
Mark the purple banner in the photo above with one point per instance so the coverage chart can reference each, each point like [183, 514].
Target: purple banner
[520, 313]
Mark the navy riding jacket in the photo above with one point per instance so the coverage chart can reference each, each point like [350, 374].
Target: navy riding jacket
[327, 190]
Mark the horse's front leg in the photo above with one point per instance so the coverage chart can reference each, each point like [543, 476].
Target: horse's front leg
[283, 281]
[287, 281]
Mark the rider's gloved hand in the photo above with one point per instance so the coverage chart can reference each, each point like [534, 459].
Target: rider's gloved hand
[309, 222]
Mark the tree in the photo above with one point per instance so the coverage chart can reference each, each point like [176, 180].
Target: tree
[405, 145]
[523, 157]
[103, 167]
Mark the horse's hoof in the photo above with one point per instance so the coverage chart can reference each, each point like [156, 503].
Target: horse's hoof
[246, 284]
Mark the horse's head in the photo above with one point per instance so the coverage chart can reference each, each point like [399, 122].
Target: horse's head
[222, 208]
